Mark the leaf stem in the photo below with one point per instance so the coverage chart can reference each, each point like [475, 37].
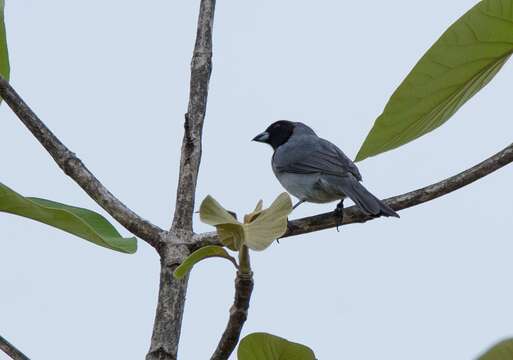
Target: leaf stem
[244, 262]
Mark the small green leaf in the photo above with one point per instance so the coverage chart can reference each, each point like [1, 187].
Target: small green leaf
[500, 351]
[201, 254]
[4, 54]
[464, 60]
[83, 223]
[263, 346]
[269, 225]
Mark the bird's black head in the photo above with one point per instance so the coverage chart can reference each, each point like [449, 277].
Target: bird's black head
[276, 134]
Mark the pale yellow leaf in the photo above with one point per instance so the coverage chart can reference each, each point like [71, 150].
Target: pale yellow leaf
[212, 213]
[231, 235]
[269, 225]
[253, 215]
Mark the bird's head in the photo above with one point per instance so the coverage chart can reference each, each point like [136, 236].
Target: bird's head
[276, 134]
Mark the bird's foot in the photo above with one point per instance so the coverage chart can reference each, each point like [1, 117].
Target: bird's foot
[339, 214]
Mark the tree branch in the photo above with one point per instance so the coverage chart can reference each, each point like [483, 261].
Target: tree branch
[169, 314]
[168, 319]
[11, 350]
[201, 68]
[399, 202]
[74, 168]
[239, 309]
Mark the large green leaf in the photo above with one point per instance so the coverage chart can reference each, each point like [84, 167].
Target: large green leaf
[4, 54]
[77, 221]
[262, 346]
[465, 58]
[201, 254]
[500, 351]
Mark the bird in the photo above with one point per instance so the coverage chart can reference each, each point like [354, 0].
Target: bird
[315, 170]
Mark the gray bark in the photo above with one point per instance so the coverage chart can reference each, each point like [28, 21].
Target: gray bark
[168, 320]
[11, 350]
[201, 68]
[171, 300]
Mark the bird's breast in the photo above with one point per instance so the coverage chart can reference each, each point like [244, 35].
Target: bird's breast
[308, 187]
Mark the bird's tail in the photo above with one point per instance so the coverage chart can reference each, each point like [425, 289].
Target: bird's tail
[367, 202]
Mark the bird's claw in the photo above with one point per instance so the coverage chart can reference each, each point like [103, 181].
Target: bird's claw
[339, 214]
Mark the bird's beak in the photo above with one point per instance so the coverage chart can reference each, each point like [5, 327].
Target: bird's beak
[263, 137]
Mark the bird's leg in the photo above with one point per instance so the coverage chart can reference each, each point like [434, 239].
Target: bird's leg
[297, 204]
[339, 213]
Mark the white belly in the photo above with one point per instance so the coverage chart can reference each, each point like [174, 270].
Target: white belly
[308, 187]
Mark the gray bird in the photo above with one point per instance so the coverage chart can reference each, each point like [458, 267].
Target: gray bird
[315, 170]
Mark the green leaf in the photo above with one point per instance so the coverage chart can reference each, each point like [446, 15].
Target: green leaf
[269, 225]
[465, 58]
[200, 254]
[4, 54]
[500, 351]
[262, 346]
[83, 223]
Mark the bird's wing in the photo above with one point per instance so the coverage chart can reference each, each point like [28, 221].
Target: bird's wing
[311, 154]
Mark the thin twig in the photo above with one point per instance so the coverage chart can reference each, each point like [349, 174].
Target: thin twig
[399, 202]
[239, 309]
[11, 350]
[201, 68]
[74, 168]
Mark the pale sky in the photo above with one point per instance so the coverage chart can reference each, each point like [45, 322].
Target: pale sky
[110, 78]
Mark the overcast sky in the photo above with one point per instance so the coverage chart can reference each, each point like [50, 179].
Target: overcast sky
[110, 78]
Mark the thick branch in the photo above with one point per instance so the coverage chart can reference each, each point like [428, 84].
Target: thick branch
[413, 198]
[168, 318]
[201, 67]
[239, 309]
[74, 168]
[11, 350]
